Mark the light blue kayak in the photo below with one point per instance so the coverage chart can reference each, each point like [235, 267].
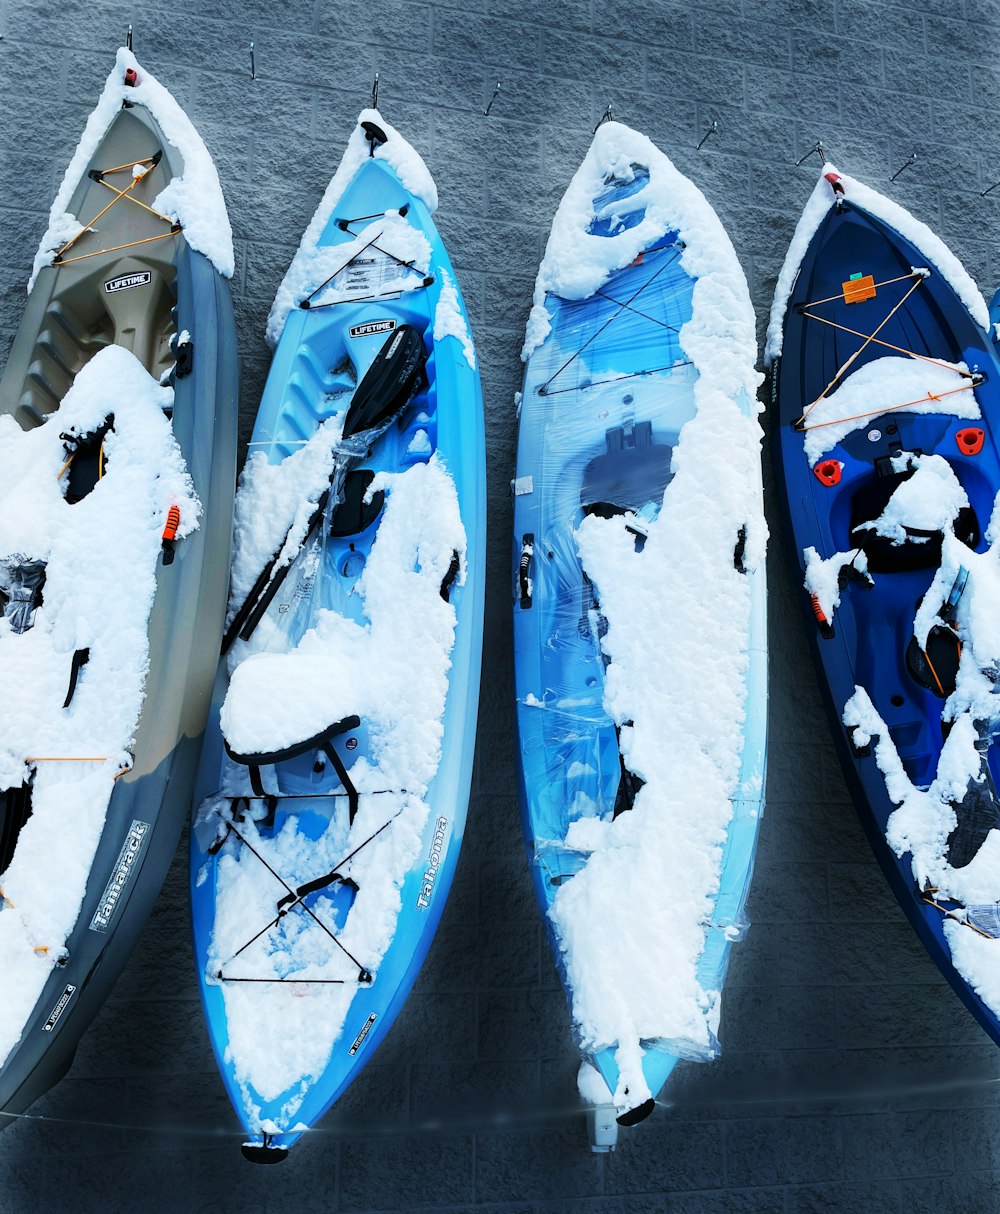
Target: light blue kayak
[602, 632]
[321, 858]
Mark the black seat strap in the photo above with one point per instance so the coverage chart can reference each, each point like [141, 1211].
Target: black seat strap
[320, 741]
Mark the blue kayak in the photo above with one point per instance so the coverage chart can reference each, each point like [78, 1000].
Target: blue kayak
[335, 779]
[885, 384]
[640, 649]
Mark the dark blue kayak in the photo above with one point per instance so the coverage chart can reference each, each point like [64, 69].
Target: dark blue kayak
[884, 363]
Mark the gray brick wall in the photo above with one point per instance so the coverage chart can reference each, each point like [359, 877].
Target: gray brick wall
[851, 1078]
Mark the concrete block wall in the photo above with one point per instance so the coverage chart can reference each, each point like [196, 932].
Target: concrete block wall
[851, 1078]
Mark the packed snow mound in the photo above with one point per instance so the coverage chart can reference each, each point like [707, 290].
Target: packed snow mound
[194, 199]
[313, 263]
[101, 556]
[890, 213]
[450, 321]
[929, 500]
[678, 694]
[887, 385]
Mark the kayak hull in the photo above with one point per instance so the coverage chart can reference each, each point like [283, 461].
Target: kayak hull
[448, 414]
[872, 627]
[149, 803]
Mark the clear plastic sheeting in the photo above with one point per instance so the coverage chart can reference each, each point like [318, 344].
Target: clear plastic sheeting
[574, 738]
[639, 629]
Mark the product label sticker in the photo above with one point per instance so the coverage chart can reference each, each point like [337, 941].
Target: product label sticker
[433, 864]
[127, 280]
[372, 327]
[365, 1030]
[58, 1010]
[125, 869]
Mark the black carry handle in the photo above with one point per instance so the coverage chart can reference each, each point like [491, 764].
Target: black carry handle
[524, 568]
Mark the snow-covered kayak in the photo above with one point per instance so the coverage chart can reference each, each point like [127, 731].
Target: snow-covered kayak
[117, 469]
[639, 629]
[335, 779]
[885, 384]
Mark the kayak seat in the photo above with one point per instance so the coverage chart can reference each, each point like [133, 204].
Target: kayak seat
[86, 460]
[353, 514]
[633, 471]
[935, 667]
[15, 810]
[319, 741]
[922, 550]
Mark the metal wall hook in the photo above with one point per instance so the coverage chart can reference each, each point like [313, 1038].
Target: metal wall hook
[816, 150]
[253, 64]
[903, 168]
[128, 37]
[375, 92]
[489, 104]
[708, 134]
[607, 116]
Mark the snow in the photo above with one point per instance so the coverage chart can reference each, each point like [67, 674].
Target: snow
[977, 959]
[311, 264]
[392, 670]
[194, 199]
[101, 557]
[929, 500]
[591, 1086]
[449, 319]
[631, 959]
[419, 444]
[882, 386]
[892, 214]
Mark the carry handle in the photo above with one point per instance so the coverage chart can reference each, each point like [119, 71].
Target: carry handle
[524, 568]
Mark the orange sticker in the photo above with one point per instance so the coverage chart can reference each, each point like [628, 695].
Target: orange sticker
[858, 289]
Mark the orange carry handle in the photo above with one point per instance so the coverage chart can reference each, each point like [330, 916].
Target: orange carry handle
[173, 522]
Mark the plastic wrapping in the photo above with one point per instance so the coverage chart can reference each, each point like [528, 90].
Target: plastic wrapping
[639, 614]
[566, 733]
